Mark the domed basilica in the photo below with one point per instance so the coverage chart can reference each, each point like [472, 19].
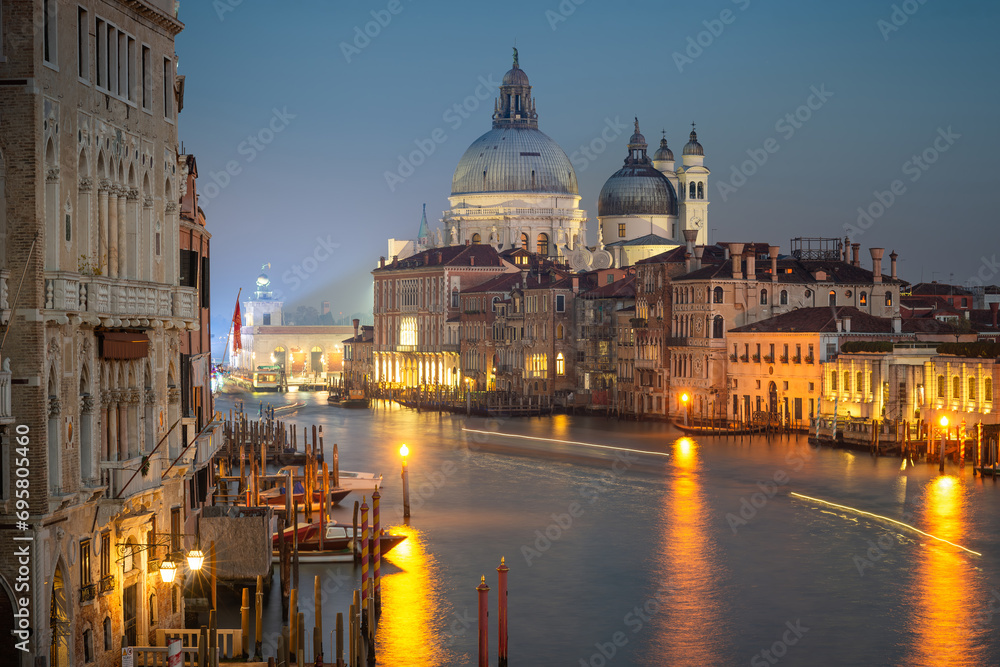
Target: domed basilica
[515, 187]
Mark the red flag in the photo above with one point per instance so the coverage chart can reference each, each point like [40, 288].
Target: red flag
[237, 323]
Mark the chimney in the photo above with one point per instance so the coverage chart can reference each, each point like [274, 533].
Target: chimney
[736, 252]
[687, 262]
[993, 311]
[772, 252]
[892, 263]
[847, 324]
[725, 252]
[840, 325]
[751, 258]
[468, 241]
[698, 253]
[472, 260]
[877, 263]
[381, 262]
[690, 236]
[847, 247]
[856, 254]
[356, 322]
[897, 324]
[576, 284]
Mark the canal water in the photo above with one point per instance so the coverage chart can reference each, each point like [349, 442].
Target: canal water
[677, 552]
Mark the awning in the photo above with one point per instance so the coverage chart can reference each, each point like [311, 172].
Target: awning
[123, 345]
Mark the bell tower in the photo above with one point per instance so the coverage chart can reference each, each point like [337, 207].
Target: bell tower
[692, 179]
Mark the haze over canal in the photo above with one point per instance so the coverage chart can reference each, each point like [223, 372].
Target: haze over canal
[699, 557]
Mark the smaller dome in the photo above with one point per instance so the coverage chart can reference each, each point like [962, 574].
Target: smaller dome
[515, 77]
[693, 147]
[663, 154]
[637, 139]
[263, 280]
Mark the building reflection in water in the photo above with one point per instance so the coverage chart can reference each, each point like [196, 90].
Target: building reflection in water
[409, 631]
[945, 601]
[689, 573]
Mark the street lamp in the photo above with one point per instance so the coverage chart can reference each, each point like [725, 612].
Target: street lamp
[195, 559]
[684, 401]
[404, 452]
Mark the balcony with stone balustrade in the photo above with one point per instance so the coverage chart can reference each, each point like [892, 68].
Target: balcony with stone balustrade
[116, 302]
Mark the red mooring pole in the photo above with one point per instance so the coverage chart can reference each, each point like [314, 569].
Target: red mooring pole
[364, 563]
[377, 551]
[484, 626]
[502, 601]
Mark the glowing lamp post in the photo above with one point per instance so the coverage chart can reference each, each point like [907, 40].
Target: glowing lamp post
[404, 451]
[944, 431]
[195, 560]
[685, 398]
[168, 570]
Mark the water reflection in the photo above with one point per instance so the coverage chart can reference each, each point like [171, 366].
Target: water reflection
[413, 605]
[689, 629]
[944, 599]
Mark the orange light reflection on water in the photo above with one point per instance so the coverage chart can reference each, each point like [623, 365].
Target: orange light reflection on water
[944, 607]
[687, 568]
[410, 589]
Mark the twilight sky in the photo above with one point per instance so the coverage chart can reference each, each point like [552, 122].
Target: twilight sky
[309, 117]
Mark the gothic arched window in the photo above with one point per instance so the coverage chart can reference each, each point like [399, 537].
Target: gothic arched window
[717, 293]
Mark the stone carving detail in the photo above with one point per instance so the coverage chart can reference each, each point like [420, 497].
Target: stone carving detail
[86, 404]
[173, 394]
[150, 396]
[104, 185]
[130, 396]
[86, 184]
[147, 201]
[170, 207]
[106, 398]
[54, 407]
[133, 194]
[52, 174]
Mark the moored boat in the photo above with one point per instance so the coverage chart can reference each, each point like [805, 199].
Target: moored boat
[276, 497]
[338, 542]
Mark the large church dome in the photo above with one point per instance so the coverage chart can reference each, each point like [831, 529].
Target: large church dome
[514, 159]
[515, 156]
[637, 188]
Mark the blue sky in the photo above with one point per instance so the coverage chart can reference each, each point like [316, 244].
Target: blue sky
[332, 114]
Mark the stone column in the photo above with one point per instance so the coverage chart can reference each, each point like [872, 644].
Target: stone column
[84, 236]
[123, 249]
[147, 240]
[103, 247]
[113, 231]
[132, 256]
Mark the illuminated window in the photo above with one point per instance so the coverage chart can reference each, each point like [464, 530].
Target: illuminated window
[833, 381]
[408, 331]
[560, 364]
[972, 389]
[621, 229]
[988, 390]
[888, 299]
[956, 387]
[524, 241]
[543, 244]
[863, 300]
[833, 298]
[559, 331]
[859, 382]
[847, 381]
[940, 384]
[476, 239]
[717, 293]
